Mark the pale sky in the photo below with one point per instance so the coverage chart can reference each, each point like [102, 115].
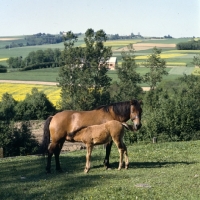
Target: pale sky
[178, 18]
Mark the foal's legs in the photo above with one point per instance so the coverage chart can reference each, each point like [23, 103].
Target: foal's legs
[126, 157]
[88, 157]
[122, 151]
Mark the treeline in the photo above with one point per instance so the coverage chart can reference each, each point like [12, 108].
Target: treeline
[123, 37]
[171, 112]
[190, 45]
[37, 59]
[36, 39]
[42, 38]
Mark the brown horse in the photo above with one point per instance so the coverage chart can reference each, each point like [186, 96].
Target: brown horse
[102, 134]
[64, 125]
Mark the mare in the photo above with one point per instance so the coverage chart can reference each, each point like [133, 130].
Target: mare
[101, 134]
[64, 126]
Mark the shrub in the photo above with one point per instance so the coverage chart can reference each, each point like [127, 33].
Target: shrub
[17, 140]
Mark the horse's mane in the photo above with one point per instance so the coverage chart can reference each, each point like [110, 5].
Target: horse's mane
[119, 108]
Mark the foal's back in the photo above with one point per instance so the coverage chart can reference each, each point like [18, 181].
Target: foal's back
[101, 134]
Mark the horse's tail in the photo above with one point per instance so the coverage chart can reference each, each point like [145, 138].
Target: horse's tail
[46, 136]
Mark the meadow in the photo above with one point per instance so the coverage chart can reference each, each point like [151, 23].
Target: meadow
[157, 171]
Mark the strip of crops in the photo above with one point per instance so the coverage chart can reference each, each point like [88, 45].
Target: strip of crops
[163, 56]
[19, 91]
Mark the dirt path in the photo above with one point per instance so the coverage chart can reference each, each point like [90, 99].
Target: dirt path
[45, 83]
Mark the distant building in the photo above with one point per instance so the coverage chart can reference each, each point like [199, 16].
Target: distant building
[112, 62]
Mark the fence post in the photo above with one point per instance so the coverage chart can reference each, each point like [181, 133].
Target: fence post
[154, 139]
[1, 152]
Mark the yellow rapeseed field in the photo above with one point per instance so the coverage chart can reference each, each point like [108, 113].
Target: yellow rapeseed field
[19, 91]
[163, 56]
[3, 59]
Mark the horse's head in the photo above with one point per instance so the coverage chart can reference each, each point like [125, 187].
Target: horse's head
[135, 113]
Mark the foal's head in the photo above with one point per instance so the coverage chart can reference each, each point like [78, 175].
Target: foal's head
[135, 114]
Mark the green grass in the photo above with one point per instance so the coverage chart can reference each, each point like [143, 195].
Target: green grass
[157, 171]
[51, 75]
[48, 75]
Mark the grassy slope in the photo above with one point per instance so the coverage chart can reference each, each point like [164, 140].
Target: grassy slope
[169, 170]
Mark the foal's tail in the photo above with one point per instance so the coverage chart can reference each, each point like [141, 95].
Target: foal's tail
[46, 136]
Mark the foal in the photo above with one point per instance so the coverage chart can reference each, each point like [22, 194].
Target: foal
[102, 134]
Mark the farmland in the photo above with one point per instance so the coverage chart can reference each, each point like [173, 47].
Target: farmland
[157, 171]
[178, 62]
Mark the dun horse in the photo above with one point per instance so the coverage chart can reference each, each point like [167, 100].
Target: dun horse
[102, 134]
[66, 124]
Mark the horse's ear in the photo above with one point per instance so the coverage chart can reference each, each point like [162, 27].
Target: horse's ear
[132, 102]
[140, 102]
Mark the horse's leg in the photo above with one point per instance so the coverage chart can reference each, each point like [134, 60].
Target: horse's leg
[50, 154]
[121, 148]
[57, 153]
[121, 154]
[108, 149]
[88, 157]
[126, 157]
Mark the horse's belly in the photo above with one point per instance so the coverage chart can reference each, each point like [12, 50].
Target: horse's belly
[101, 138]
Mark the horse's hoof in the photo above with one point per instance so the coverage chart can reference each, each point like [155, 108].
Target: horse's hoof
[86, 171]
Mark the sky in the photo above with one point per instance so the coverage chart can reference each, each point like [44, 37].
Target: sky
[178, 18]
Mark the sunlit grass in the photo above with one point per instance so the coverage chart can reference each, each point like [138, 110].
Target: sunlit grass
[157, 171]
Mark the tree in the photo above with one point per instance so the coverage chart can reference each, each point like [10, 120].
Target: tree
[83, 79]
[35, 106]
[7, 107]
[196, 60]
[157, 69]
[129, 78]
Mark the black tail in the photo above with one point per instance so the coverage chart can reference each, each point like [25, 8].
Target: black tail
[46, 137]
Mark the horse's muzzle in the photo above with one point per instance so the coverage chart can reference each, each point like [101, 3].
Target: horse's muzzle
[137, 126]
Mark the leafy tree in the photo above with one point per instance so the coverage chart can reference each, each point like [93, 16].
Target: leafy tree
[7, 107]
[17, 140]
[157, 69]
[196, 60]
[83, 79]
[35, 106]
[173, 114]
[128, 85]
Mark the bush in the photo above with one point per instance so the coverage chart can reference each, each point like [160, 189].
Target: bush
[35, 106]
[3, 69]
[17, 141]
[173, 115]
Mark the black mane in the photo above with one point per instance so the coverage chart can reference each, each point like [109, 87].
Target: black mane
[119, 108]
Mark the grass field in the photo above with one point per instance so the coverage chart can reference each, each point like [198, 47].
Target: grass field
[157, 171]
